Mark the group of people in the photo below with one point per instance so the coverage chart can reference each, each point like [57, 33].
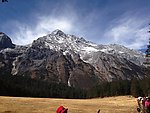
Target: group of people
[61, 109]
[143, 104]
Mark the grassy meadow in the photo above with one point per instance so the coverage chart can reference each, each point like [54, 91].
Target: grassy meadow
[120, 104]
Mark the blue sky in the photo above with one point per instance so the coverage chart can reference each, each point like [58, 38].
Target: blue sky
[122, 22]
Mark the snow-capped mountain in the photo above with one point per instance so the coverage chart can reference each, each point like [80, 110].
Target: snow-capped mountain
[58, 40]
[63, 58]
[124, 52]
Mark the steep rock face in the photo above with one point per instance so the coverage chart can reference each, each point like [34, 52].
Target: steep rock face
[45, 64]
[5, 41]
[5, 67]
[123, 52]
[8, 56]
[58, 40]
[63, 58]
[115, 68]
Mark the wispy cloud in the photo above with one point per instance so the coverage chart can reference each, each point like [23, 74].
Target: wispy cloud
[26, 33]
[45, 18]
[128, 31]
[103, 22]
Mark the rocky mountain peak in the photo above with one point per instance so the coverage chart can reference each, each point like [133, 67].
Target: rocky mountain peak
[58, 32]
[68, 59]
[1, 33]
[58, 40]
[5, 41]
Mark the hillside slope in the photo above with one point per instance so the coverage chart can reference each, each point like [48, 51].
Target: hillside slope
[63, 58]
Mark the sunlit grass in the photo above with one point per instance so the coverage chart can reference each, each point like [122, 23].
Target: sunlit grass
[121, 104]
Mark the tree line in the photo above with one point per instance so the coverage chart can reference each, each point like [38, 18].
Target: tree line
[27, 87]
[132, 87]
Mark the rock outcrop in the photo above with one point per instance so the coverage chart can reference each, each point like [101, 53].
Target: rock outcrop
[5, 41]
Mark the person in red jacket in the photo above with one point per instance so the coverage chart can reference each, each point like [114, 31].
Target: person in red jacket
[147, 105]
[61, 109]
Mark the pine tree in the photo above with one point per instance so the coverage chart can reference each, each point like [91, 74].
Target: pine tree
[135, 88]
[148, 48]
[147, 63]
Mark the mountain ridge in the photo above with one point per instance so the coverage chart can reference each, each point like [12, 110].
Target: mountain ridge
[64, 58]
[81, 46]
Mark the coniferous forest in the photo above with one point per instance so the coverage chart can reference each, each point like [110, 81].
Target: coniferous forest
[27, 87]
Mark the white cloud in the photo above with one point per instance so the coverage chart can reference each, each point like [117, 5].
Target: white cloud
[141, 38]
[129, 32]
[45, 24]
[126, 29]
[49, 24]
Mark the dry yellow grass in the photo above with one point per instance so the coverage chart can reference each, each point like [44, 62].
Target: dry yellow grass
[120, 104]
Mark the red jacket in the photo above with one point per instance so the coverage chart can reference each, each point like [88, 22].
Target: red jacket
[147, 103]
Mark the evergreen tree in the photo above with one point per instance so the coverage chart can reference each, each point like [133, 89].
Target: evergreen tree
[147, 63]
[148, 49]
[135, 88]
